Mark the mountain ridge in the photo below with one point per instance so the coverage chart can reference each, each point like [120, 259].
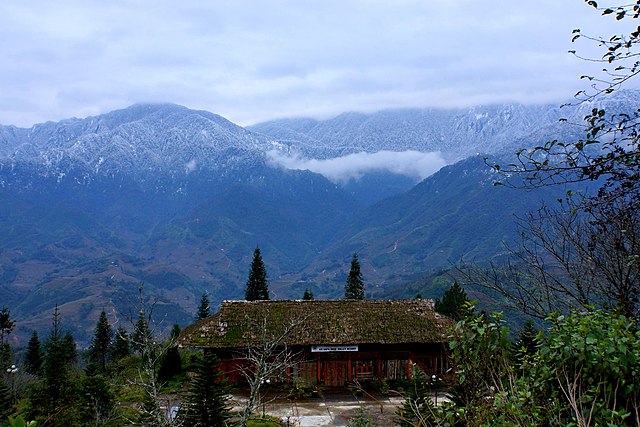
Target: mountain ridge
[181, 210]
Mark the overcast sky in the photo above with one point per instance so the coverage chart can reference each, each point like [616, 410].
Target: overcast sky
[253, 60]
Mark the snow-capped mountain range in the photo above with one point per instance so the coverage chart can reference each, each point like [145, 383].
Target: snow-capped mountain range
[178, 199]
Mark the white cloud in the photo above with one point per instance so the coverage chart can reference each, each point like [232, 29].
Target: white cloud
[413, 164]
[253, 61]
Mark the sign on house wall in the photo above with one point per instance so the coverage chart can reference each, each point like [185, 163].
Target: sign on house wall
[329, 348]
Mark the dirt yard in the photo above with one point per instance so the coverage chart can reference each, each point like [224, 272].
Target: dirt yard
[332, 410]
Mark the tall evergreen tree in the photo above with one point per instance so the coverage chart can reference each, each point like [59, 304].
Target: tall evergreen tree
[526, 345]
[354, 289]
[308, 295]
[101, 342]
[60, 355]
[257, 288]
[5, 401]
[207, 402]
[141, 333]
[33, 357]
[97, 401]
[454, 303]
[120, 347]
[204, 310]
[7, 325]
[171, 362]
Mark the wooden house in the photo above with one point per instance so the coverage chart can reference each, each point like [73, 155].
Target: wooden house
[334, 341]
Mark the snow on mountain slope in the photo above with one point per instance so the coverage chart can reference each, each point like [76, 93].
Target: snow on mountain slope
[143, 138]
[457, 133]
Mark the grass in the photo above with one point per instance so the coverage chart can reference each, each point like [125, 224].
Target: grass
[266, 421]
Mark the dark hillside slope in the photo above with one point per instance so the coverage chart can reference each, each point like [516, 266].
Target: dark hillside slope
[456, 214]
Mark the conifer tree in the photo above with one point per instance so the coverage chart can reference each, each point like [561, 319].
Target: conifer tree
[7, 325]
[207, 402]
[528, 338]
[204, 310]
[33, 357]
[141, 333]
[454, 303]
[308, 295]
[60, 355]
[171, 362]
[5, 400]
[120, 347]
[257, 288]
[354, 289]
[97, 401]
[526, 345]
[101, 342]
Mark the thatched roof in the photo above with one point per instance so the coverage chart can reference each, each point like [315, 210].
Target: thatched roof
[242, 323]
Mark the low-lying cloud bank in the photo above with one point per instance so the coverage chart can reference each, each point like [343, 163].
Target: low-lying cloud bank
[413, 164]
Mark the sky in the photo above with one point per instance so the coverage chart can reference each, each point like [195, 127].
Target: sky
[257, 60]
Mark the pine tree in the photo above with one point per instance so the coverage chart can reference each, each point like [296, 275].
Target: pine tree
[120, 346]
[33, 357]
[5, 400]
[141, 333]
[354, 289]
[171, 362]
[308, 295]
[97, 402]
[526, 345]
[204, 310]
[528, 338]
[257, 288]
[101, 342]
[207, 404]
[60, 355]
[7, 325]
[454, 303]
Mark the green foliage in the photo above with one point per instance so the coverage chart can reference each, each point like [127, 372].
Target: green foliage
[417, 408]
[204, 310]
[6, 402]
[101, 342]
[20, 422]
[207, 402]
[266, 421]
[360, 419]
[7, 325]
[584, 371]
[60, 357]
[479, 348]
[354, 288]
[141, 332]
[526, 345]
[308, 295]
[257, 287]
[171, 361]
[454, 303]
[33, 358]
[96, 402]
[593, 358]
[120, 347]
